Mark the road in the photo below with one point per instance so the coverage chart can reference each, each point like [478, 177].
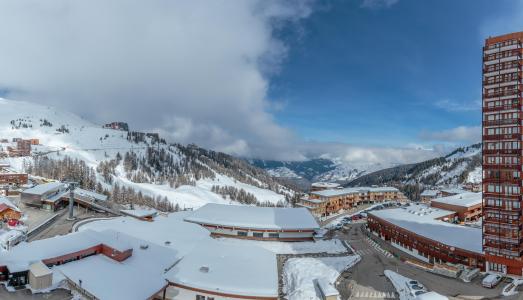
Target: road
[367, 280]
[59, 294]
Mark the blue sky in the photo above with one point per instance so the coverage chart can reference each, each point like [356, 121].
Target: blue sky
[387, 76]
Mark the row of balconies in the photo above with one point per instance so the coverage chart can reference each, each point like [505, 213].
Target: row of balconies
[502, 93]
[499, 47]
[488, 73]
[502, 54]
[493, 83]
[498, 137]
[503, 166]
[502, 151]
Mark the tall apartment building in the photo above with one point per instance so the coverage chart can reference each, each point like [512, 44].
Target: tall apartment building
[502, 153]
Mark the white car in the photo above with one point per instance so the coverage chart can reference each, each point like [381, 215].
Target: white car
[491, 280]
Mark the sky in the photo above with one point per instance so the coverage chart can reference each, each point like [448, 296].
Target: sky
[366, 81]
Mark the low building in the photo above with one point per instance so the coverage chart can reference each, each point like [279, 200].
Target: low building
[8, 210]
[425, 233]
[452, 191]
[258, 223]
[466, 205]
[117, 126]
[9, 178]
[47, 196]
[221, 271]
[320, 186]
[428, 195]
[331, 201]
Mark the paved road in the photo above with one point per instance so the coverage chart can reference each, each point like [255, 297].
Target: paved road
[367, 281]
[26, 295]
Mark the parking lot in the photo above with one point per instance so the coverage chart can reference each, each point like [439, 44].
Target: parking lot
[367, 280]
[59, 294]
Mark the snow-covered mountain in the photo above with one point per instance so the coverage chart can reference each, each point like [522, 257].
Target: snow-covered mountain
[317, 169]
[185, 175]
[462, 165]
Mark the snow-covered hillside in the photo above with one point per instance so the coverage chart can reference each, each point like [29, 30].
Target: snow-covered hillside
[463, 165]
[89, 142]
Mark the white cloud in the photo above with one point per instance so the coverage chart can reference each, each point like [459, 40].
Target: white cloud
[457, 134]
[377, 4]
[196, 69]
[457, 106]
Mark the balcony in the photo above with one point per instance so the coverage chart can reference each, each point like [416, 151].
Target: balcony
[515, 181]
[500, 108]
[514, 167]
[499, 137]
[501, 122]
[502, 93]
[502, 151]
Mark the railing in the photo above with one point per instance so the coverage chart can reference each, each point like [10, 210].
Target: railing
[502, 166]
[500, 108]
[501, 122]
[502, 93]
[495, 137]
[501, 151]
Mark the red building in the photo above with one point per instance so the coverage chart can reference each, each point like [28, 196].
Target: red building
[502, 119]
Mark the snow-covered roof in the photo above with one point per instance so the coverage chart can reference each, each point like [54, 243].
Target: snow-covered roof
[467, 199]
[454, 190]
[8, 203]
[327, 288]
[429, 193]
[140, 213]
[328, 185]
[44, 188]
[138, 277]
[39, 269]
[253, 217]
[421, 220]
[23, 255]
[89, 194]
[354, 190]
[382, 189]
[338, 192]
[228, 268]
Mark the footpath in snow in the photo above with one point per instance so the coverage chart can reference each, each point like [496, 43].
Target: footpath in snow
[301, 274]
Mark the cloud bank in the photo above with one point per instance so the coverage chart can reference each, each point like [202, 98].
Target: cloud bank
[194, 69]
[197, 71]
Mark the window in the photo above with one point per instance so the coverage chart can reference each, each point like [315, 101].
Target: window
[200, 297]
[257, 234]
[242, 233]
[274, 235]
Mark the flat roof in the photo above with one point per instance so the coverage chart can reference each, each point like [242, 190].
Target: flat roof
[429, 193]
[325, 184]
[338, 192]
[421, 220]
[138, 277]
[354, 190]
[140, 213]
[24, 254]
[467, 199]
[454, 190]
[7, 202]
[40, 269]
[253, 217]
[228, 268]
[44, 188]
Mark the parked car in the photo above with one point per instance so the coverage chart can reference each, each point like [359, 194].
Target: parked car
[491, 280]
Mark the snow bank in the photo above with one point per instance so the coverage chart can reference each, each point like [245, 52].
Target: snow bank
[300, 274]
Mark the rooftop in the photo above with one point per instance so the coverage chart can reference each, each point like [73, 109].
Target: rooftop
[140, 213]
[354, 190]
[4, 201]
[44, 188]
[229, 268]
[430, 193]
[421, 219]
[467, 199]
[253, 217]
[329, 185]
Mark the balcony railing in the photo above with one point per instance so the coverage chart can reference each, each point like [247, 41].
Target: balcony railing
[497, 137]
[501, 151]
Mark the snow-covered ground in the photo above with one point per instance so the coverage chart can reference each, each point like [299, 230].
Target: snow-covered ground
[92, 143]
[400, 283]
[322, 246]
[475, 176]
[300, 274]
